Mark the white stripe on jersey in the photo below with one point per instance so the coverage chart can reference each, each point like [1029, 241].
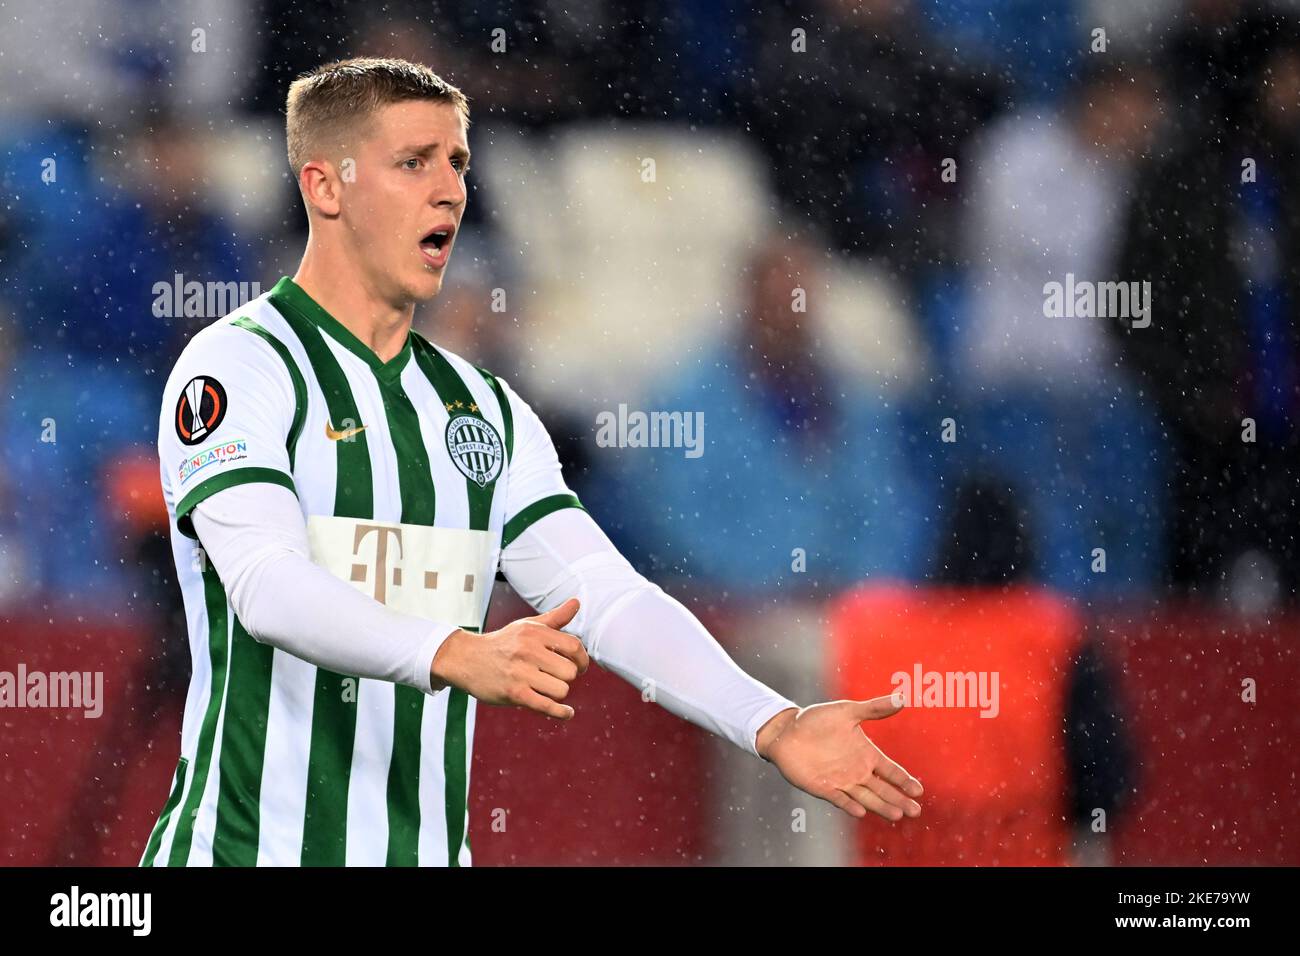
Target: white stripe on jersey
[284, 781]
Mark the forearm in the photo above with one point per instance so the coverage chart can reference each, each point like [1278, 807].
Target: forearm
[633, 629]
[298, 607]
[250, 535]
[657, 644]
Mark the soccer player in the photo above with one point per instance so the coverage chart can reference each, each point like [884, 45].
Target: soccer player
[342, 493]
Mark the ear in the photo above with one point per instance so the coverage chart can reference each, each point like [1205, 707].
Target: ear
[321, 187]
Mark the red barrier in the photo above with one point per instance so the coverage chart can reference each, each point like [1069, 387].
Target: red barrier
[626, 783]
[1218, 775]
[623, 783]
[77, 789]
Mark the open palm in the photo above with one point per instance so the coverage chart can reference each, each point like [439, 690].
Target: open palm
[824, 752]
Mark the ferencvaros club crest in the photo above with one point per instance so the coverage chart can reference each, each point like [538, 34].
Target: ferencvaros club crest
[475, 447]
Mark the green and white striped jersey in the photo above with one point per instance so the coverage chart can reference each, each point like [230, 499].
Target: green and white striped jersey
[413, 475]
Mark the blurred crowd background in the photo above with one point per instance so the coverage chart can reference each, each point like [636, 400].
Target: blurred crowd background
[917, 426]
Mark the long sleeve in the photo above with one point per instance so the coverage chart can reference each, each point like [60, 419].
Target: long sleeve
[632, 628]
[256, 539]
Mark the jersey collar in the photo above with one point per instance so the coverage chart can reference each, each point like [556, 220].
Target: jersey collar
[289, 294]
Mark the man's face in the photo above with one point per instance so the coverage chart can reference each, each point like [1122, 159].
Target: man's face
[1124, 116]
[1282, 90]
[776, 271]
[403, 205]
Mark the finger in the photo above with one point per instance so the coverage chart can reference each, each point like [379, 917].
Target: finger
[570, 647]
[549, 686]
[557, 665]
[878, 708]
[870, 801]
[892, 795]
[557, 617]
[887, 770]
[846, 803]
[544, 705]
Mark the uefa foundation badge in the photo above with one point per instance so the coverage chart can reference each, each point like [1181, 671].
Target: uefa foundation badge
[475, 447]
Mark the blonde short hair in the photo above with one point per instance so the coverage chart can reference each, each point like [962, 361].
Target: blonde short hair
[326, 106]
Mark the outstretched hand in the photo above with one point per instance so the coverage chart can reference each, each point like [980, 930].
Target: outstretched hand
[822, 750]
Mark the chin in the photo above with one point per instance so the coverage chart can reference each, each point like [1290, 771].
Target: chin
[427, 286]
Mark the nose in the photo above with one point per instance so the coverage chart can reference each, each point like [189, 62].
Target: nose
[449, 188]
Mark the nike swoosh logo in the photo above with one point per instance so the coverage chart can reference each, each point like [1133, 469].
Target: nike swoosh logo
[334, 435]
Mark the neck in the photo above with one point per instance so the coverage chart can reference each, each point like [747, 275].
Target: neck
[356, 302]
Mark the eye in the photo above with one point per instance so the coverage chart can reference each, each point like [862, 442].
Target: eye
[414, 159]
[461, 166]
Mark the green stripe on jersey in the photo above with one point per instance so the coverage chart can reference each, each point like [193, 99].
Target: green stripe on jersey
[214, 595]
[334, 715]
[535, 512]
[227, 479]
[155, 838]
[507, 416]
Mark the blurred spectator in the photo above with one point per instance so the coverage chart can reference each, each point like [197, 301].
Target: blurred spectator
[1208, 57]
[1216, 229]
[858, 126]
[687, 60]
[519, 61]
[96, 298]
[64, 422]
[98, 61]
[1049, 197]
[1042, 399]
[792, 457]
[94, 339]
[537, 71]
[1032, 44]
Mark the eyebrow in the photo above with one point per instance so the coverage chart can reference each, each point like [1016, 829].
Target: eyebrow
[457, 152]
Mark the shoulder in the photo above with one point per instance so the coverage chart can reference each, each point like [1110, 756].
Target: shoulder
[238, 356]
[249, 336]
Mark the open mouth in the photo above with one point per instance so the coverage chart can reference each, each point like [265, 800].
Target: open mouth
[437, 244]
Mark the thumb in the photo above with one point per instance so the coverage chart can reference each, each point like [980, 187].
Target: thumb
[557, 617]
[878, 708]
